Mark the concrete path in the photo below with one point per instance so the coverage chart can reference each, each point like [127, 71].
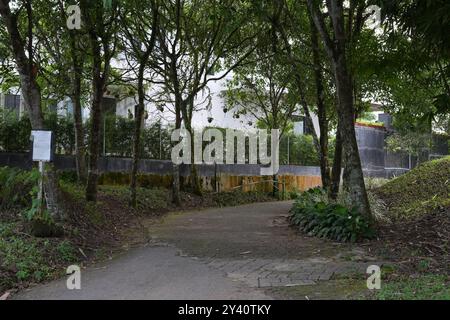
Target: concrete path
[225, 253]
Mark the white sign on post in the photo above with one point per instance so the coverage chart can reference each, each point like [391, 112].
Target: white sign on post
[42, 145]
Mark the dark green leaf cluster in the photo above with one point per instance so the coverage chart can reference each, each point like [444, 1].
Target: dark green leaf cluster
[313, 214]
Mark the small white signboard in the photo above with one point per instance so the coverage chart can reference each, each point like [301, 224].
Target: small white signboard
[42, 145]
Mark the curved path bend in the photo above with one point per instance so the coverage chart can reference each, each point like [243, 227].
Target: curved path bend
[222, 253]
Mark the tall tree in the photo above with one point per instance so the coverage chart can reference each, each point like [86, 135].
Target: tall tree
[195, 39]
[22, 47]
[291, 21]
[64, 51]
[139, 23]
[261, 89]
[101, 25]
[337, 40]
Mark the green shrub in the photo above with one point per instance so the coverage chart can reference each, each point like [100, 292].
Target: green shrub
[25, 257]
[315, 215]
[293, 194]
[301, 150]
[17, 187]
[66, 251]
[14, 132]
[155, 139]
[68, 176]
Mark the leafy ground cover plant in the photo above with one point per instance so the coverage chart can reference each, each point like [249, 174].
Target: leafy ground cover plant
[314, 214]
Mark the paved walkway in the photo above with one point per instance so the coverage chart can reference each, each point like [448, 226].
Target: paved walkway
[226, 253]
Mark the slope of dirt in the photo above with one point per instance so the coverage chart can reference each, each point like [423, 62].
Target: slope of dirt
[418, 204]
[420, 244]
[423, 190]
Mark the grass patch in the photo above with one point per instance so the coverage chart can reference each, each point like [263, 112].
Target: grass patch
[420, 191]
[148, 199]
[425, 287]
[337, 289]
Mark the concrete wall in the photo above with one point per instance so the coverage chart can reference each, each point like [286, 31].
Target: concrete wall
[159, 173]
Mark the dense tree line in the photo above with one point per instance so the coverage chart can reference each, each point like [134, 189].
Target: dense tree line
[280, 57]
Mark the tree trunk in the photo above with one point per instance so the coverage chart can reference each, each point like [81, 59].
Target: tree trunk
[138, 119]
[80, 151]
[194, 179]
[310, 124]
[353, 175]
[143, 58]
[99, 39]
[94, 145]
[98, 86]
[32, 98]
[321, 109]
[336, 50]
[79, 133]
[176, 168]
[337, 166]
[308, 119]
[275, 186]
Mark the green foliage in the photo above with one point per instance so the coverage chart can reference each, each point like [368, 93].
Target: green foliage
[22, 255]
[423, 21]
[15, 135]
[66, 251]
[301, 150]
[26, 258]
[14, 132]
[63, 129]
[17, 187]
[293, 194]
[119, 135]
[119, 139]
[411, 142]
[147, 198]
[407, 75]
[156, 142]
[315, 215]
[424, 287]
[68, 176]
[372, 123]
[18, 190]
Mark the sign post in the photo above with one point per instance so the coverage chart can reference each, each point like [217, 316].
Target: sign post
[42, 152]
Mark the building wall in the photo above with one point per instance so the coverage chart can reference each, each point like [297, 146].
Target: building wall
[371, 149]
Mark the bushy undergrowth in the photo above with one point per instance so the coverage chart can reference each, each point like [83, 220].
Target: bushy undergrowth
[314, 214]
[147, 198]
[25, 258]
[16, 187]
